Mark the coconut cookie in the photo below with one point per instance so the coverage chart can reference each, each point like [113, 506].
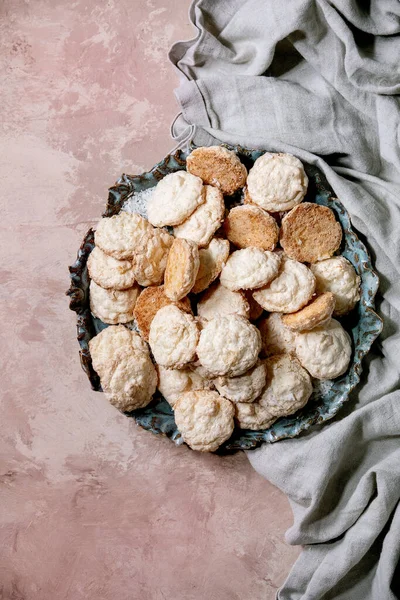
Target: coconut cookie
[324, 351]
[109, 346]
[277, 182]
[313, 315]
[149, 303]
[229, 346]
[217, 166]
[337, 275]
[113, 306]
[204, 419]
[206, 219]
[175, 198]
[247, 226]
[108, 272]
[250, 268]
[290, 290]
[245, 388]
[275, 336]
[172, 383]
[212, 259]
[182, 268]
[218, 300]
[173, 337]
[122, 361]
[288, 386]
[150, 258]
[253, 416]
[119, 235]
[310, 233]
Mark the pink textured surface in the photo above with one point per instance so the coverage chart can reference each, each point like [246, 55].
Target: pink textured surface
[92, 507]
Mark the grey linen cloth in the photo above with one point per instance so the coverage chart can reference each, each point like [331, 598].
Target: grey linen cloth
[320, 79]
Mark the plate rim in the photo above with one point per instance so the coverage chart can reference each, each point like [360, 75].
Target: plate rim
[122, 190]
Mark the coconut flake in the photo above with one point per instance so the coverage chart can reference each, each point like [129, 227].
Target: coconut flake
[137, 203]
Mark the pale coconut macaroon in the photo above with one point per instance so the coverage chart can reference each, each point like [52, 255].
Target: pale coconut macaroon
[175, 198]
[337, 275]
[204, 419]
[324, 351]
[276, 182]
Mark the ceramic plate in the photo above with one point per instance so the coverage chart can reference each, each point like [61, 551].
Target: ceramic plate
[362, 323]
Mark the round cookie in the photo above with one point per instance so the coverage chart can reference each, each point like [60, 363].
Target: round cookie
[119, 235]
[109, 346]
[150, 258]
[133, 383]
[337, 275]
[245, 388]
[205, 220]
[318, 312]
[121, 359]
[172, 383]
[108, 272]
[218, 300]
[290, 290]
[288, 386]
[182, 267]
[204, 419]
[249, 225]
[212, 259]
[253, 416]
[113, 306]
[149, 303]
[275, 336]
[324, 351]
[310, 233]
[217, 166]
[173, 337]
[229, 346]
[250, 268]
[277, 182]
[175, 198]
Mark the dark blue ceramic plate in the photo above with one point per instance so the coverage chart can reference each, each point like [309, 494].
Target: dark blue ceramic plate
[328, 396]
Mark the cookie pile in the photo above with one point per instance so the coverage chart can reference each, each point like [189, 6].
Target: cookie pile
[235, 305]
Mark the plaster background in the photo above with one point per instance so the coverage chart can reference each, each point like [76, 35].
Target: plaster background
[92, 507]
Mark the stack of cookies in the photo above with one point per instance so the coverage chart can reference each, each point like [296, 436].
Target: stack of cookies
[232, 309]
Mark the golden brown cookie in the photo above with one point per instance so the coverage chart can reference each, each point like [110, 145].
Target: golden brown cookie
[310, 232]
[217, 166]
[149, 303]
[251, 226]
[212, 260]
[182, 268]
[313, 315]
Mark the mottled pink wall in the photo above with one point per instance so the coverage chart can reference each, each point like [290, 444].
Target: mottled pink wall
[91, 506]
